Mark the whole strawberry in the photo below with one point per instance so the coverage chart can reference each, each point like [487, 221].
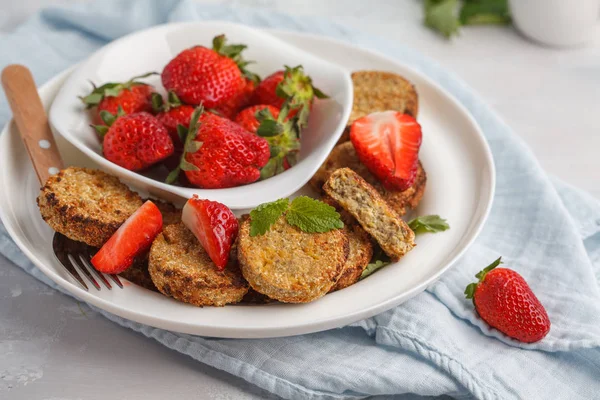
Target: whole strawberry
[504, 300]
[174, 115]
[132, 96]
[134, 141]
[211, 77]
[218, 153]
[291, 86]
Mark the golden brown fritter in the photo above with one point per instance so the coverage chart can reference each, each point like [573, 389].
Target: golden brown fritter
[361, 251]
[381, 91]
[371, 211]
[344, 156]
[180, 268]
[290, 265]
[86, 205]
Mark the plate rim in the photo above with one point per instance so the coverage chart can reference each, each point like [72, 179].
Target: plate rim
[288, 330]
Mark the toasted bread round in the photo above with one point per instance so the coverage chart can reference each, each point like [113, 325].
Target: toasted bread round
[344, 156]
[86, 205]
[290, 265]
[180, 268]
[361, 251]
[380, 91]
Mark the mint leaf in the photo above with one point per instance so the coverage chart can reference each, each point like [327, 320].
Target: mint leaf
[485, 12]
[372, 267]
[313, 216]
[441, 16]
[428, 223]
[265, 215]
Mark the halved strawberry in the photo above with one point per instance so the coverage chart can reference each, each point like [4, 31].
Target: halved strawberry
[214, 225]
[132, 239]
[388, 144]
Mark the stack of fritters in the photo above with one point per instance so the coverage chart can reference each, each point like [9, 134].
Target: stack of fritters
[284, 264]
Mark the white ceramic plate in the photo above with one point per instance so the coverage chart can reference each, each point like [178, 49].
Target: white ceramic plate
[460, 188]
[152, 49]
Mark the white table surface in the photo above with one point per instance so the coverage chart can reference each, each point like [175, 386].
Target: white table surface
[52, 347]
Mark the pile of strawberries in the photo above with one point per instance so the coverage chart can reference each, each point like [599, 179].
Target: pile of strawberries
[219, 124]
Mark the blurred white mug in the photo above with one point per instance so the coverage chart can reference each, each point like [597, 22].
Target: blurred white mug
[562, 23]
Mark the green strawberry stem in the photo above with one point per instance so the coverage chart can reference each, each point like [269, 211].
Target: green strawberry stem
[190, 145]
[108, 120]
[234, 51]
[111, 89]
[160, 105]
[297, 90]
[282, 137]
[470, 290]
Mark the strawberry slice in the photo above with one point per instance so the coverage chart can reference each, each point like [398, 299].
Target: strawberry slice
[388, 143]
[131, 239]
[214, 225]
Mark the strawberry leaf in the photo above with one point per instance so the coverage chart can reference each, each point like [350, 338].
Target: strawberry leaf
[173, 175]
[192, 147]
[157, 102]
[269, 128]
[265, 215]
[187, 166]
[182, 132]
[234, 51]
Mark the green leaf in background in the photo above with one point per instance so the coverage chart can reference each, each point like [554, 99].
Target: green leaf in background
[442, 16]
[428, 223]
[481, 12]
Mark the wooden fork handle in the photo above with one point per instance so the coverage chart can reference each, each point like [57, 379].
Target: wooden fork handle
[32, 121]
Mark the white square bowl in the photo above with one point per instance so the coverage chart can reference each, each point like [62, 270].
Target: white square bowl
[152, 49]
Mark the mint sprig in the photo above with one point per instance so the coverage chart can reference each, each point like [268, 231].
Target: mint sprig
[307, 214]
[265, 215]
[313, 216]
[428, 223]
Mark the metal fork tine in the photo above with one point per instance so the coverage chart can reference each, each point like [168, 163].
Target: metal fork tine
[84, 270]
[65, 262]
[100, 276]
[117, 280]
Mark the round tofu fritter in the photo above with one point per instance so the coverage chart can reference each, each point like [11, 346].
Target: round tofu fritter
[381, 91]
[344, 156]
[289, 265]
[86, 205]
[361, 251]
[180, 268]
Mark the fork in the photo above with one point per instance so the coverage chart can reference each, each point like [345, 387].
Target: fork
[32, 124]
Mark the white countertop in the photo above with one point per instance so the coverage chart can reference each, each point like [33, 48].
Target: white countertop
[51, 347]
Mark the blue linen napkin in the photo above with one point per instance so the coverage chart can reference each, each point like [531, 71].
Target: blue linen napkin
[433, 344]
